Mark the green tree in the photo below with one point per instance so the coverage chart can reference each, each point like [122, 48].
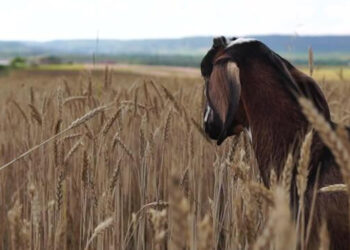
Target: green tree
[18, 62]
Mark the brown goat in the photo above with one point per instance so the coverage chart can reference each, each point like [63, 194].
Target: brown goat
[249, 86]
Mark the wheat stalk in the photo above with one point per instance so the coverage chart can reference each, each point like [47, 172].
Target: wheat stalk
[21, 111]
[287, 173]
[284, 230]
[334, 188]
[110, 122]
[74, 98]
[72, 151]
[171, 98]
[99, 230]
[324, 237]
[266, 236]
[328, 136]
[70, 137]
[303, 164]
[36, 114]
[261, 191]
[311, 61]
[179, 215]
[118, 141]
[74, 124]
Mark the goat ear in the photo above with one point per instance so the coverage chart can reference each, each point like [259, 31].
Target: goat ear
[224, 90]
[219, 43]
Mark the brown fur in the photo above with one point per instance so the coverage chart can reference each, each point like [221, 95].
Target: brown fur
[277, 123]
[278, 126]
[218, 90]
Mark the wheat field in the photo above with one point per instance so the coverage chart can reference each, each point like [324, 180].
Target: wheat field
[128, 166]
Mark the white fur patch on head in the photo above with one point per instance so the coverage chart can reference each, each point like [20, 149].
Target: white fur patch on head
[240, 41]
[207, 112]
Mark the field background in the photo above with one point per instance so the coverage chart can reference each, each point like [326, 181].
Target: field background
[140, 174]
[187, 51]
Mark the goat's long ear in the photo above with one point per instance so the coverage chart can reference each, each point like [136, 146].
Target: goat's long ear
[224, 90]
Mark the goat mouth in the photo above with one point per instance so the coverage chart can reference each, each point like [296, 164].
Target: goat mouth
[212, 130]
[219, 132]
[235, 130]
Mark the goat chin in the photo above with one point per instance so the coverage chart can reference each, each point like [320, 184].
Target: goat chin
[238, 129]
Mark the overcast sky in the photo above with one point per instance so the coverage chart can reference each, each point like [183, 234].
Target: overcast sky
[129, 19]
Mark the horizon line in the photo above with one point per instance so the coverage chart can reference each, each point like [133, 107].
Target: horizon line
[173, 38]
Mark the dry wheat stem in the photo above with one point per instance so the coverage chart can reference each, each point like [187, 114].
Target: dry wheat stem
[303, 164]
[324, 237]
[287, 173]
[36, 114]
[101, 228]
[328, 136]
[161, 204]
[209, 207]
[72, 150]
[74, 98]
[262, 191]
[334, 188]
[74, 124]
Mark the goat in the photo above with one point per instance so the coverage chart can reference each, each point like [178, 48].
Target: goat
[248, 86]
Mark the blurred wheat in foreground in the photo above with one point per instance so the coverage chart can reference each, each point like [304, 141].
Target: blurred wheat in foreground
[128, 166]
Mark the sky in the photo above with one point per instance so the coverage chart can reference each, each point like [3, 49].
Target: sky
[43, 20]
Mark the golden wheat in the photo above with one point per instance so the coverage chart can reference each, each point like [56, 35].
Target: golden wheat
[124, 156]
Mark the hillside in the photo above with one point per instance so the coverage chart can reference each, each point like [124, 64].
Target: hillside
[184, 51]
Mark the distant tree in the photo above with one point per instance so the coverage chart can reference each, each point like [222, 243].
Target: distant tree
[3, 69]
[50, 60]
[18, 62]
